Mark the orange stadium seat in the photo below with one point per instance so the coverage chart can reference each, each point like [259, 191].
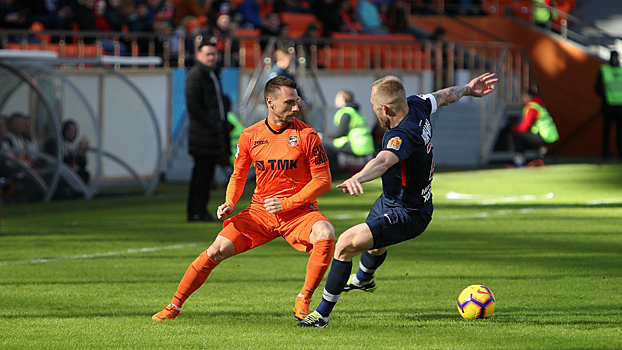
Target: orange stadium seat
[249, 46]
[371, 51]
[298, 23]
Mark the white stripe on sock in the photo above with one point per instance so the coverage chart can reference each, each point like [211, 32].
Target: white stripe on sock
[330, 297]
[364, 269]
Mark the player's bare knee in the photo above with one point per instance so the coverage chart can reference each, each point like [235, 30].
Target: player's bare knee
[322, 230]
[344, 245]
[219, 252]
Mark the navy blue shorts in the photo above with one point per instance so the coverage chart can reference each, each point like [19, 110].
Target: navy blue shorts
[391, 226]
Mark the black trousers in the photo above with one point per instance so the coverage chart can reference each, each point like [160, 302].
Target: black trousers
[524, 141]
[333, 159]
[612, 114]
[200, 185]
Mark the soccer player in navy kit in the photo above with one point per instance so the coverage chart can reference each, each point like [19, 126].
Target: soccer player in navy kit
[406, 164]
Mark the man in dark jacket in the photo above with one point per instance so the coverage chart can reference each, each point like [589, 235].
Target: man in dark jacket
[208, 133]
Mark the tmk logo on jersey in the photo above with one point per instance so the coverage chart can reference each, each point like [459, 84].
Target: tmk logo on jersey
[261, 142]
[293, 141]
[395, 143]
[277, 164]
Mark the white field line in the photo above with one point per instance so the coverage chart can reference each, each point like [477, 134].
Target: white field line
[99, 255]
[484, 215]
[480, 215]
[605, 201]
[502, 198]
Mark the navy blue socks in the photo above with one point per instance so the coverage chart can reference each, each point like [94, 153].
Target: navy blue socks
[336, 280]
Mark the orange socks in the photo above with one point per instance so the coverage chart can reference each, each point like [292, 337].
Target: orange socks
[321, 256]
[195, 276]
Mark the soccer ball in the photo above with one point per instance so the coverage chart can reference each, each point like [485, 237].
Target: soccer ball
[476, 301]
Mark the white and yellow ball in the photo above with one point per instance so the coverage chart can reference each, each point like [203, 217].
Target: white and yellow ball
[476, 301]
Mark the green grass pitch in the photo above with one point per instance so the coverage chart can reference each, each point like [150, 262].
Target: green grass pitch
[547, 241]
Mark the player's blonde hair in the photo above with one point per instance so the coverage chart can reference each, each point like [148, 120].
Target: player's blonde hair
[389, 91]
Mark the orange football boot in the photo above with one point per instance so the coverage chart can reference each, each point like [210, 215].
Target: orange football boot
[169, 313]
[301, 308]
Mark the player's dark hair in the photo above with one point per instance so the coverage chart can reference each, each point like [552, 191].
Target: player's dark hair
[273, 86]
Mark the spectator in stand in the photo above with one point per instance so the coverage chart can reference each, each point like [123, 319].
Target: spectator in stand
[12, 15]
[311, 42]
[249, 9]
[219, 7]
[114, 15]
[369, 17]
[153, 7]
[327, 12]
[162, 29]
[219, 35]
[194, 8]
[193, 29]
[139, 21]
[127, 7]
[99, 11]
[271, 28]
[53, 14]
[84, 17]
[543, 15]
[347, 15]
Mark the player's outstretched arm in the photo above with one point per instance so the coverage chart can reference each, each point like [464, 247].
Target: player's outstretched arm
[372, 170]
[478, 87]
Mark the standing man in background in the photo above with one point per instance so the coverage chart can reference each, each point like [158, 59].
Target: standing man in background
[208, 132]
[609, 88]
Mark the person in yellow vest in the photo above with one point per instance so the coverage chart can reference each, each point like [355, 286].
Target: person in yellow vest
[609, 88]
[543, 15]
[536, 128]
[348, 133]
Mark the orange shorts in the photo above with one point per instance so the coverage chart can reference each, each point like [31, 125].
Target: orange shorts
[255, 226]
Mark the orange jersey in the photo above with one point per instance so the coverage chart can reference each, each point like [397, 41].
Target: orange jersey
[290, 164]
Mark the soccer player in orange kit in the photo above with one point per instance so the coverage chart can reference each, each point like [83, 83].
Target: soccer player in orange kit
[292, 170]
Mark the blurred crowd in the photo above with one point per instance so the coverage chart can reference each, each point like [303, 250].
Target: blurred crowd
[218, 17]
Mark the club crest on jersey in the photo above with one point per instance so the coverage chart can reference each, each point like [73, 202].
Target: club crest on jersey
[395, 143]
[293, 141]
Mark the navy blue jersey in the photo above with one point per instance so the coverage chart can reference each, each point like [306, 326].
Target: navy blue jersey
[408, 184]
